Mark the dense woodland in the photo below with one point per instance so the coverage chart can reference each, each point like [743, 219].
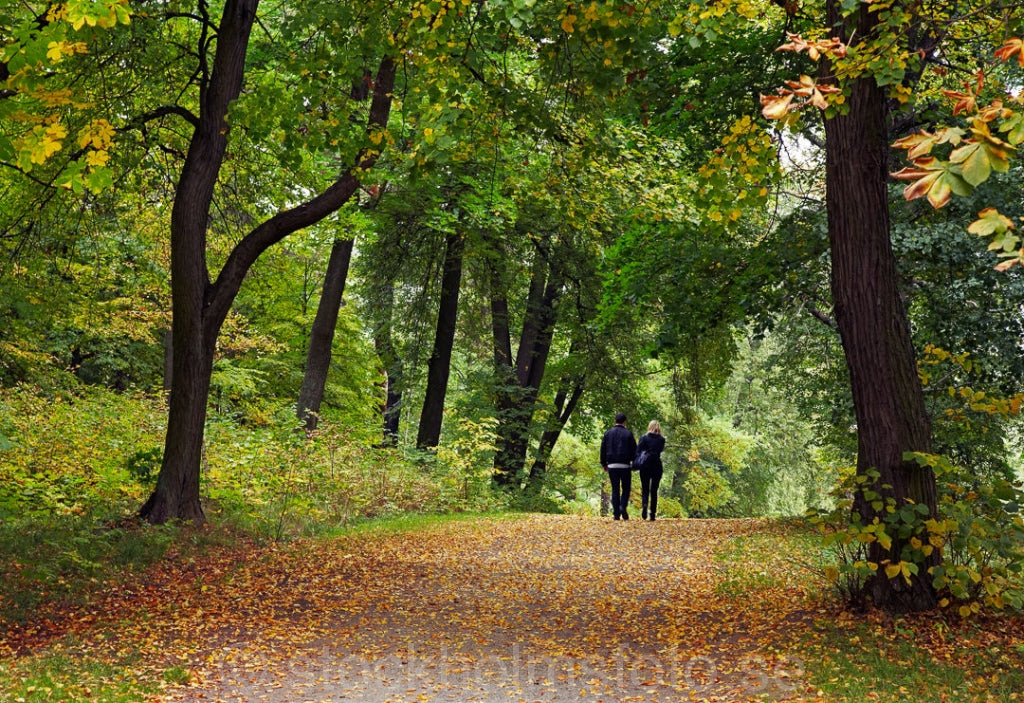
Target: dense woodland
[297, 264]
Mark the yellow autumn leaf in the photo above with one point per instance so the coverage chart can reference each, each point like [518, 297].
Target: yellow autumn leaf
[55, 51]
[98, 134]
[97, 158]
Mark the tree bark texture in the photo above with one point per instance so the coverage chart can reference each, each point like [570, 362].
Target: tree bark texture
[199, 307]
[321, 338]
[168, 359]
[439, 366]
[873, 324]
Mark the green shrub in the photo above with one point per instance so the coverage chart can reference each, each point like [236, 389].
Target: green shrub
[464, 463]
[71, 453]
[979, 528]
[670, 507]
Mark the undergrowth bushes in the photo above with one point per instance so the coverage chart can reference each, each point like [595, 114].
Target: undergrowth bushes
[98, 454]
[76, 466]
[69, 454]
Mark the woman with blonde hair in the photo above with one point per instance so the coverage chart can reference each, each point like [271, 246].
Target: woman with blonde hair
[651, 470]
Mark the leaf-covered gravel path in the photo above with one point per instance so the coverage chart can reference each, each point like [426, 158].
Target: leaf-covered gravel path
[540, 608]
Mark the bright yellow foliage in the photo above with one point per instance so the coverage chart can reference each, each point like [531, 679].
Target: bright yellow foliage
[98, 134]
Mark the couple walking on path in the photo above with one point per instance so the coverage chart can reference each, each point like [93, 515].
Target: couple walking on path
[620, 456]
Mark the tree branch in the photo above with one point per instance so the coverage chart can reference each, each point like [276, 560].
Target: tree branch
[284, 223]
[159, 112]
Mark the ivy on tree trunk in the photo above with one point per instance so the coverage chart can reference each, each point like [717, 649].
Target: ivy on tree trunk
[517, 396]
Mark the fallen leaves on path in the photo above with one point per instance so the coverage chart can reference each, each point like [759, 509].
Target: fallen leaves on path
[541, 608]
[535, 608]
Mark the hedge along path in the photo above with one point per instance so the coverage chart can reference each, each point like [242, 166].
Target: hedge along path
[536, 608]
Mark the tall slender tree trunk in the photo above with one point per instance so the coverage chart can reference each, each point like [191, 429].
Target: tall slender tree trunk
[321, 338]
[392, 372]
[565, 406]
[505, 379]
[393, 402]
[439, 366]
[873, 324]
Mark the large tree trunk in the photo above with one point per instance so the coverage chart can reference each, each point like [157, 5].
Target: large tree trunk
[177, 489]
[440, 362]
[872, 321]
[199, 307]
[321, 338]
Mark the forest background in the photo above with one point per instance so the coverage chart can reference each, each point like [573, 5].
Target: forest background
[286, 268]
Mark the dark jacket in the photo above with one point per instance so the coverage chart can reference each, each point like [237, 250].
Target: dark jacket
[618, 446]
[655, 445]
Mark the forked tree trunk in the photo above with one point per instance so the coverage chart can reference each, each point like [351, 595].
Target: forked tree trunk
[193, 334]
[873, 324]
[321, 338]
[439, 366]
[199, 307]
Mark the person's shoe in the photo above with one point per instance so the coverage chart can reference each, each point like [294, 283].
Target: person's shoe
[615, 517]
[643, 514]
[625, 516]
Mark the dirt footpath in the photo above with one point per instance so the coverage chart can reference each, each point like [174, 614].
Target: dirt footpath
[537, 608]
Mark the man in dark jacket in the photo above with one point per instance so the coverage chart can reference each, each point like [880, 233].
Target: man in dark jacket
[618, 447]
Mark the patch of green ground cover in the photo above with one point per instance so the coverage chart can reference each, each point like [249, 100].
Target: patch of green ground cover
[922, 658]
[66, 560]
[64, 671]
[772, 553]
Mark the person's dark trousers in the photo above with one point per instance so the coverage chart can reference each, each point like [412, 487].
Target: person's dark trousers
[649, 481]
[620, 479]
